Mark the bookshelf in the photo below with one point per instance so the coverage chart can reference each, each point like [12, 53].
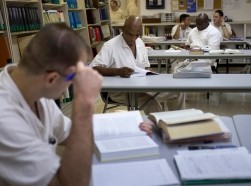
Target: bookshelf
[24, 18]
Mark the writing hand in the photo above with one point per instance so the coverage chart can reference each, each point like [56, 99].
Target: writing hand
[125, 72]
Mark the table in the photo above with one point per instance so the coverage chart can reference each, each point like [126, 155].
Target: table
[166, 83]
[184, 54]
[182, 42]
[167, 151]
[243, 128]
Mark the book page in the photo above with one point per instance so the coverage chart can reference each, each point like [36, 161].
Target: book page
[214, 164]
[151, 172]
[117, 124]
[156, 116]
[139, 72]
[187, 119]
[125, 144]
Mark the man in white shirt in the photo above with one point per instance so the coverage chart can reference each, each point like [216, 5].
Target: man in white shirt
[181, 30]
[219, 23]
[121, 55]
[204, 35]
[31, 124]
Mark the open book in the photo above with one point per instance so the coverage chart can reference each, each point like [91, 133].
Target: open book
[189, 125]
[117, 136]
[228, 165]
[226, 51]
[139, 72]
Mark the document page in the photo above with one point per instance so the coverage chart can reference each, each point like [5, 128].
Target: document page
[222, 164]
[118, 124]
[125, 144]
[151, 172]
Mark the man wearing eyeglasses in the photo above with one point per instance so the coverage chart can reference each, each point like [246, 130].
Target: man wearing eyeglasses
[31, 124]
[121, 55]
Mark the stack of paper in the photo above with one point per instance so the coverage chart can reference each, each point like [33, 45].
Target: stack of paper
[190, 125]
[153, 172]
[228, 165]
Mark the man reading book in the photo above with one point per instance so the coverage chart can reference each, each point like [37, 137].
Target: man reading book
[32, 125]
[121, 55]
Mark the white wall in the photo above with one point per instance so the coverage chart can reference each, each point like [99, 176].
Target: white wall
[237, 10]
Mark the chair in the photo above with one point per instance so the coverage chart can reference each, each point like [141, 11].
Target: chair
[105, 96]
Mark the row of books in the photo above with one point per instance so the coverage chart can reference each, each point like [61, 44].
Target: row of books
[72, 3]
[95, 34]
[51, 1]
[23, 19]
[53, 16]
[75, 21]
[91, 18]
[103, 12]
[89, 4]
[2, 25]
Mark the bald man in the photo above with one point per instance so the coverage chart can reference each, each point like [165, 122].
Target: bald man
[204, 35]
[121, 55]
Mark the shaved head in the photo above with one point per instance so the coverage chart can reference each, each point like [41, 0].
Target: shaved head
[132, 21]
[132, 29]
[202, 21]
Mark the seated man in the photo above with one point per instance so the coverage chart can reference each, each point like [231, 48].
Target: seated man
[181, 30]
[32, 125]
[219, 23]
[121, 55]
[204, 35]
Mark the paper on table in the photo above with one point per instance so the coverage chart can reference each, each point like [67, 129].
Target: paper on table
[152, 172]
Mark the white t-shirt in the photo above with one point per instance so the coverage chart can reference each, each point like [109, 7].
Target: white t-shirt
[208, 38]
[115, 53]
[26, 157]
[220, 28]
[183, 33]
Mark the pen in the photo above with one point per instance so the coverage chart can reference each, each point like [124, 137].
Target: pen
[199, 147]
[70, 77]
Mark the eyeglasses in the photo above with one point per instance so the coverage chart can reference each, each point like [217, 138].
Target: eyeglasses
[68, 77]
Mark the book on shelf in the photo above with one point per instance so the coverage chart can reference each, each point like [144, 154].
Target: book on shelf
[190, 125]
[5, 53]
[150, 172]
[105, 30]
[140, 72]
[117, 136]
[227, 165]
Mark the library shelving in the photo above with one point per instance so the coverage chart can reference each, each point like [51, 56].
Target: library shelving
[20, 20]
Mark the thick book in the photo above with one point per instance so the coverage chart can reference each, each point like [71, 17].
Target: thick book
[118, 136]
[228, 165]
[140, 72]
[150, 172]
[190, 125]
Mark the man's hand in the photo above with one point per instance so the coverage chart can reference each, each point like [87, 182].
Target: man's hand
[87, 82]
[146, 126]
[125, 72]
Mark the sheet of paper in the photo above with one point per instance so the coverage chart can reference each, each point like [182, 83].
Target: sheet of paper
[152, 172]
[222, 164]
